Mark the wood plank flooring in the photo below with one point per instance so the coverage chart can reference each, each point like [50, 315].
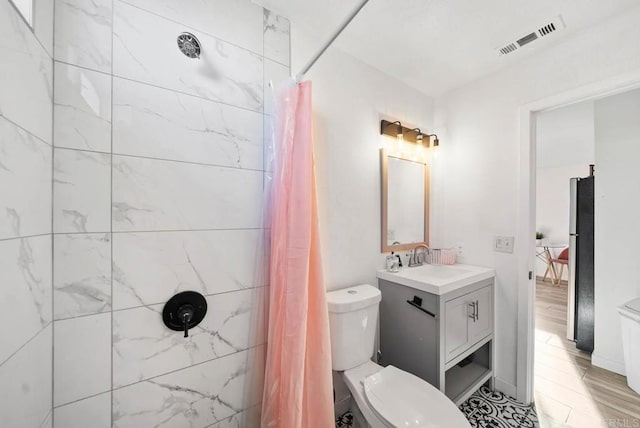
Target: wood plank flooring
[569, 391]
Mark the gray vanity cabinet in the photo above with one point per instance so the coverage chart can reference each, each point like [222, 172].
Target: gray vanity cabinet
[444, 339]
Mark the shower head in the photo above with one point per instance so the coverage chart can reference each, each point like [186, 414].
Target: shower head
[189, 45]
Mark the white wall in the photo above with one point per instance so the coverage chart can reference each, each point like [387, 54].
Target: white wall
[26, 74]
[565, 147]
[479, 124]
[617, 210]
[565, 136]
[349, 99]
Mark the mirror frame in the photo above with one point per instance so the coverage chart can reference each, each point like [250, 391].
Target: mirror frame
[384, 163]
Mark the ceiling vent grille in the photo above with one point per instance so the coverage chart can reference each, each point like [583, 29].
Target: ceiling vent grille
[508, 49]
[527, 39]
[546, 30]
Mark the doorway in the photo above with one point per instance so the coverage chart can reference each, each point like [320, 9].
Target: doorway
[583, 386]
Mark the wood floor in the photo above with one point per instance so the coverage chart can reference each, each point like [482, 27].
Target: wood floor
[569, 391]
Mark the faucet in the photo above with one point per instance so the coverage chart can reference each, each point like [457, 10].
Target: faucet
[415, 259]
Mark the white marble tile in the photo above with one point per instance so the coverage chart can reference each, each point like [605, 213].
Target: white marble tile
[25, 384]
[25, 183]
[151, 267]
[245, 419]
[150, 194]
[82, 109]
[82, 357]
[48, 421]
[143, 347]
[25, 269]
[159, 123]
[26, 73]
[83, 33]
[43, 23]
[278, 75]
[93, 412]
[81, 274]
[237, 22]
[276, 37]
[194, 397]
[81, 191]
[144, 49]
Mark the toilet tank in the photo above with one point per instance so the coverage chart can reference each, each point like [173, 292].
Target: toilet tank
[353, 316]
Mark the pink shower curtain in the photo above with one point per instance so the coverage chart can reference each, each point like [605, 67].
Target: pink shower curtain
[298, 390]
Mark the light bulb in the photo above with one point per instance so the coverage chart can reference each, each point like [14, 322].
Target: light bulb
[435, 152]
[400, 144]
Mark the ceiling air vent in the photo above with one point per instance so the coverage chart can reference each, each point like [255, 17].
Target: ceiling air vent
[546, 30]
[508, 49]
[527, 39]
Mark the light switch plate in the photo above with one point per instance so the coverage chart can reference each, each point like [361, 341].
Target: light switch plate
[503, 244]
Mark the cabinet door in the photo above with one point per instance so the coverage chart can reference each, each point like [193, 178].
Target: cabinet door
[457, 315]
[482, 324]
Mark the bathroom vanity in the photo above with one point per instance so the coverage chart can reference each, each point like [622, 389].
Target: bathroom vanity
[437, 322]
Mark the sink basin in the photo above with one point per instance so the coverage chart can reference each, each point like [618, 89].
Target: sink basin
[438, 279]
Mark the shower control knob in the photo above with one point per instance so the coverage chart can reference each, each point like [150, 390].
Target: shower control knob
[184, 311]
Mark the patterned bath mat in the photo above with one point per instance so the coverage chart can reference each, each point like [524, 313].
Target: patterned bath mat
[345, 420]
[493, 409]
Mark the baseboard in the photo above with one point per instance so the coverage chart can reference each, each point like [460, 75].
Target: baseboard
[505, 387]
[608, 364]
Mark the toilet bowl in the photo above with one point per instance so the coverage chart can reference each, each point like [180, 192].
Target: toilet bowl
[387, 397]
[630, 324]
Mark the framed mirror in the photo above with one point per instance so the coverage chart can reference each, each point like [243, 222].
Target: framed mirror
[405, 202]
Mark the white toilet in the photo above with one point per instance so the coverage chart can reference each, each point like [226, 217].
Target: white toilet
[630, 323]
[386, 396]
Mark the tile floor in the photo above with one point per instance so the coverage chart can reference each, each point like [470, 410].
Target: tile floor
[569, 391]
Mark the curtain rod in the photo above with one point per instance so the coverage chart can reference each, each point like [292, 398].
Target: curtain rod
[333, 37]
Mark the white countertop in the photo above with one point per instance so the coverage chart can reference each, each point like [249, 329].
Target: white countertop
[438, 279]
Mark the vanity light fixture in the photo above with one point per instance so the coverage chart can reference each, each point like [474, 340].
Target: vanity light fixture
[420, 144]
[436, 142]
[415, 135]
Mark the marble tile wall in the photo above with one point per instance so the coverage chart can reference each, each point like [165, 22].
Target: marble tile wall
[158, 188]
[26, 89]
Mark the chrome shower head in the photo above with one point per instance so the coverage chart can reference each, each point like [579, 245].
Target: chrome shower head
[189, 45]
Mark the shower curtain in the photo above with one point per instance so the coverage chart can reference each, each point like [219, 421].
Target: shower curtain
[298, 390]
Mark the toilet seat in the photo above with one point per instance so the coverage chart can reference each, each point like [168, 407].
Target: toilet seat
[403, 400]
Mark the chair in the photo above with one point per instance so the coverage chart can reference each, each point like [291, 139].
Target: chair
[562, 260]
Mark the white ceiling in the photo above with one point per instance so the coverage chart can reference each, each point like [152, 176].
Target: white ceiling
[436, 45]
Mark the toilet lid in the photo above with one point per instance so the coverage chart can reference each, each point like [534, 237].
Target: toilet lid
[634, 305]
[404, 400]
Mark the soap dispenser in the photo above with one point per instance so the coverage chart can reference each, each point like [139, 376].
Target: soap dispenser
[393, 262]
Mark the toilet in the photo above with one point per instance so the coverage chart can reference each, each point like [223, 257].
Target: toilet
[630, 323]
[386, 396]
